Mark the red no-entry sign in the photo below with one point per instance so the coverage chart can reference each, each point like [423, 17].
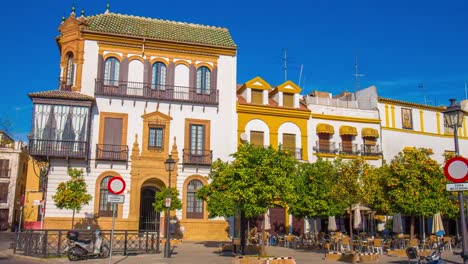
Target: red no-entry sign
[456, 169]
[116, 185]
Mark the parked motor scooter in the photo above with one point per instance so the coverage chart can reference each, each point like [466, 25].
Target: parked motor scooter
[434, 258]
[79, 249]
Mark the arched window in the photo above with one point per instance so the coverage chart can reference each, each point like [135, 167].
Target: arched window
[203, 80]
[105, 208]
[194, 205]
[69, 70]
[111, 71]
[158, 81]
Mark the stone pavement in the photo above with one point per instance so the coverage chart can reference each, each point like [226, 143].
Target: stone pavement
[205, 252]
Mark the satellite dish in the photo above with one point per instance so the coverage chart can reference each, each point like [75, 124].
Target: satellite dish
[243, 136]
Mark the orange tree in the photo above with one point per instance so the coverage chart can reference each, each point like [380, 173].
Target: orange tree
[314, 185]
[257, 179]
[72, 194]
[415, 186]
[349, 187]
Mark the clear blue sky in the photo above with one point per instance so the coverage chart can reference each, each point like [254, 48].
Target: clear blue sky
[400, 44]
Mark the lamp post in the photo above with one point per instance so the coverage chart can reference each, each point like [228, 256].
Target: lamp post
[169, 164]
[453, 118]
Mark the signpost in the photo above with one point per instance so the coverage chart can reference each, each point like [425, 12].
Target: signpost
[456, 187]
[456, 169]
[115, 186]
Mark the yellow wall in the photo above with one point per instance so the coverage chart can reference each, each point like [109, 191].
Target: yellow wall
[30, 211]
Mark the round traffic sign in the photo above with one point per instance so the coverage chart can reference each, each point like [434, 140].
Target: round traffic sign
[456, 169]
[116, 185]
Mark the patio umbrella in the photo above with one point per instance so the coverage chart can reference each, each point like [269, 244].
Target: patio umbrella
[331, 223]
[397, 224]
[437, 224]
[266, 220]
[357, 217]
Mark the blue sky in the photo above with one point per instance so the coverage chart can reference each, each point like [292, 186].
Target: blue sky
[400, 44]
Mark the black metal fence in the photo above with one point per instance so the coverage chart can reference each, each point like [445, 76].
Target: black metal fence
[53, 243]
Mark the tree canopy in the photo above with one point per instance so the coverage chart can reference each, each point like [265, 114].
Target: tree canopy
[159, 204]
[258, 178]
[314, 187]
[72, 194]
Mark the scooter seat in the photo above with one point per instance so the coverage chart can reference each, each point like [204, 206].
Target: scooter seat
[84, 241]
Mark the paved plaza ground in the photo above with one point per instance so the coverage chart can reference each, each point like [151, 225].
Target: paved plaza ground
[203, 252]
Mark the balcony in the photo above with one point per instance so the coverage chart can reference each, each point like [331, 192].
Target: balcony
[370, 150]
[149, 91]
[325, 147]
[111, 152]
[197, 157]
[5, 173]
[349, 149]
[296, 152]
[58, 148]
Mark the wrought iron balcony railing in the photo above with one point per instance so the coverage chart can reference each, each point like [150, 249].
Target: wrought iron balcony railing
[5, 173]
[349, 149]
[111, 152]
[370, 150]
[296, 152]
[197, 157]
[325, 147]
[158, 92]
[58, 148]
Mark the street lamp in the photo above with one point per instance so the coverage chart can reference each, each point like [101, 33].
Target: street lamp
[453, 118]
[170, 165]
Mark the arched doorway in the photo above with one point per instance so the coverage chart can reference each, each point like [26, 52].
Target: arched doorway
[149, 219]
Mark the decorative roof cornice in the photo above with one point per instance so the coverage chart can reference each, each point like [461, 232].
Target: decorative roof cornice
[411, 104]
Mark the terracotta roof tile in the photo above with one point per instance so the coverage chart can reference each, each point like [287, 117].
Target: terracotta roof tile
[58, 94]
[159, 29]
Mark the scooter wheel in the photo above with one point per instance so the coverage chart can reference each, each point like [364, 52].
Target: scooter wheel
[74, 254]
[105, 252]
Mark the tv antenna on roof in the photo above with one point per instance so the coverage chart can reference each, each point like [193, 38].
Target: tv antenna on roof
[285, 59]
[421, 85]
[357, 75]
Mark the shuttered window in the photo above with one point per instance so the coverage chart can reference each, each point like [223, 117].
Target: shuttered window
[288, 100]
[4, 168]
[324, 143]
[257, 96]
[112, 148]
[256, 138]
[289, 142]
[347, 143]
[4, 192]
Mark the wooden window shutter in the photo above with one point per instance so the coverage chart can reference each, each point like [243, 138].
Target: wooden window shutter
[288, 100]
[257, 96]
[256, 138]
[370, 141]
[289, 141]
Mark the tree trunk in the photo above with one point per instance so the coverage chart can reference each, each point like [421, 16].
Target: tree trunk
[243, 234]
[315, 230]
[412, 227]
[262, 252]
[351, 247]
[73, 219]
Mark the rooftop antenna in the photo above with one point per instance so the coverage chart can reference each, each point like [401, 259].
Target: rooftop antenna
[421, 85]
[300, 74]
[357, 75]
[466, 93]
[285, 60]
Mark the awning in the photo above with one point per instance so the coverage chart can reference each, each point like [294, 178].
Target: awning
[348, 130]
[325, 129]
[370, 132]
